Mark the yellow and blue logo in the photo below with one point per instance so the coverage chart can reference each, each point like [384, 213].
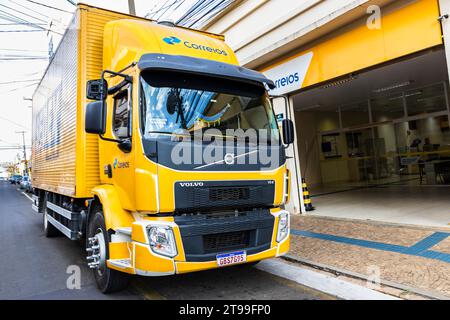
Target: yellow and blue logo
[174, 41]
[171, 40]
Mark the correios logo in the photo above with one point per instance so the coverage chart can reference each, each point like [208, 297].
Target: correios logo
[287, 80]
[174, 41]
[171, 40]
[120, 165]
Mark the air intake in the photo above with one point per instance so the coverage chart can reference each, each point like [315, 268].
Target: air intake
[167, 23]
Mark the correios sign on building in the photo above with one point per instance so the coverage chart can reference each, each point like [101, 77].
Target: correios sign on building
[289, 76]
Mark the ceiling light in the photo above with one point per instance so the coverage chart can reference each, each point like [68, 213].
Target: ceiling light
[339, 82]
[394, 86]
[418, 93]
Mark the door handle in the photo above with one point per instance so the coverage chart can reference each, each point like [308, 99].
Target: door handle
[107, 169]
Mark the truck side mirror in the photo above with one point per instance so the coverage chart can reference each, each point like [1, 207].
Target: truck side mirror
[288, 131]
[96, 89]
[95, 117]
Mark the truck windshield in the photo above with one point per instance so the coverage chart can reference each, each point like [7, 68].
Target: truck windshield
[173, 102]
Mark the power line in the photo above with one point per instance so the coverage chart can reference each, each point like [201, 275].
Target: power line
[167, 8]
[151, 10]
[18, 24]
[23, 58]
[13, 122]
[16, 89]
[12, 31]
[207, 6]
[154, 13]
[191, 12]
[19, 81]
[14, 18]
[51, 7]
[29, 9]
[22, 13]
[23, 50]
[213, 12]
[203, 10]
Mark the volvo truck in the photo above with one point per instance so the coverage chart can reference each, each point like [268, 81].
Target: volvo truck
[117, 162]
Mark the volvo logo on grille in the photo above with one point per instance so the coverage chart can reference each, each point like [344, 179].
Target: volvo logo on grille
[229, 158]
[191, 184]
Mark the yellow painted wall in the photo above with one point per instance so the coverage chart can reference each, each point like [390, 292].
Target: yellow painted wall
[406, 27]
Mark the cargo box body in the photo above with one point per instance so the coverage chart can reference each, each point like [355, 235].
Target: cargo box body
[65, 159]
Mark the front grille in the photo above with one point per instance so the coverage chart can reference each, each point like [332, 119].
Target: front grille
[223, 194]
[228, 241]
[206, 235]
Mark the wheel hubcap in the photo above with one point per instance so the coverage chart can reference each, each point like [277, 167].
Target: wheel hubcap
[45, 220]
[97, 250]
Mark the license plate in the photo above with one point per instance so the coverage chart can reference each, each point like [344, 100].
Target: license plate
[227, 259]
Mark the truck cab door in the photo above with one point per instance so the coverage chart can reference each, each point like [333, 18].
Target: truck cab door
[120, 156]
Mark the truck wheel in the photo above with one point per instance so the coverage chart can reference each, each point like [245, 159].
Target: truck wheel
[107, 280]
[50, 230]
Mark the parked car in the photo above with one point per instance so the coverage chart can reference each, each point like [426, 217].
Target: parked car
[29, 187]
[25, 183]
[15, 179]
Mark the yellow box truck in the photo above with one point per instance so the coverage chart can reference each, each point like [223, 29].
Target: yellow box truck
[116, 160]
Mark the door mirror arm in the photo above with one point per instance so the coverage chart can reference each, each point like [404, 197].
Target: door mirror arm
[125, 145]
[98, 90]
[287, 124]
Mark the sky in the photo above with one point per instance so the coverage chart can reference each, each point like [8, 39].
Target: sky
[20, 76]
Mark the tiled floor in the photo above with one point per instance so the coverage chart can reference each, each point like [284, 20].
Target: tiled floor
[410, 269]
[415, 205]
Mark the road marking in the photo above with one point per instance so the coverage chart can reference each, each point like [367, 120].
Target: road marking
[420, 249]
[322, 282]
[27, 196]
[147, 292]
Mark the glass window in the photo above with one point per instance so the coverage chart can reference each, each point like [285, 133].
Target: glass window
[387, 108]
[427, 100]
[355, 114]
[327, 118]
[172, 102]
[121, 120]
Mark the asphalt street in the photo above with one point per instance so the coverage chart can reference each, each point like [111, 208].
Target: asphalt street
[35, 267]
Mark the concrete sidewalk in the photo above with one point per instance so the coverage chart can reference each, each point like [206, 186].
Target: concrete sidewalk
[411, 259]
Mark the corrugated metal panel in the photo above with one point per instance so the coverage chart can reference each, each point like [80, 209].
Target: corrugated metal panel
[93, 23]
[65, 159]
[55, 119]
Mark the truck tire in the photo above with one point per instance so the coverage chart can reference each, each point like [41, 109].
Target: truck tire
[108, 280]
[50, 230]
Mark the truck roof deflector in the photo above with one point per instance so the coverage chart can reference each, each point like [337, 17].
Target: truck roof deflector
[201, 66]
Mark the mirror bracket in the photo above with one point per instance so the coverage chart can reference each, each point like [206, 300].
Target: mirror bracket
[125, 145]
[287, 124]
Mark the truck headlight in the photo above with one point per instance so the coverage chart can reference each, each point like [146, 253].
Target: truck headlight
[283, 226]
[162, 241]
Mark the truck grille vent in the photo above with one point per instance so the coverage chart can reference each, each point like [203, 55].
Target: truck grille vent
[225, 241]
[224, 194]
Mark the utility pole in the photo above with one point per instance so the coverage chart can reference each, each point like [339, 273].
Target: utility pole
[131, 7]
[24, 150]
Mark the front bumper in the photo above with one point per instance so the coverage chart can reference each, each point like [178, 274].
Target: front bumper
[136, 257]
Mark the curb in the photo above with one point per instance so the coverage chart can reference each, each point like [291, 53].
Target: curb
[338, 271]
[328, 284]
